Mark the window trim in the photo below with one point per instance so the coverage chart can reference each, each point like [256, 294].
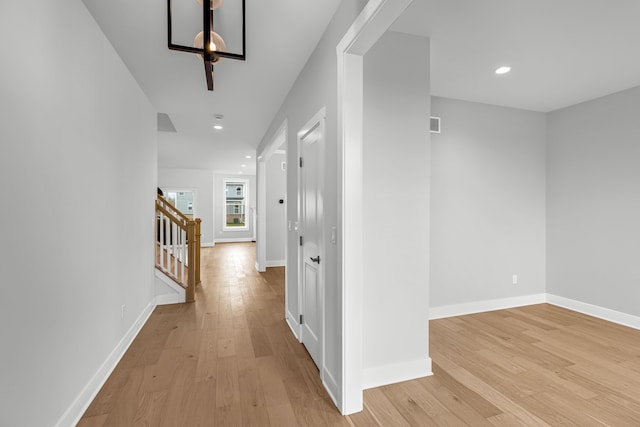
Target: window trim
[245, 199]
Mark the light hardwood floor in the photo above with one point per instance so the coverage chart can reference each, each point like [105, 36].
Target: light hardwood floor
[229, 359]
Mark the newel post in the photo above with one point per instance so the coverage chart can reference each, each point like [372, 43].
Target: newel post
[198, 244]
[193, 261]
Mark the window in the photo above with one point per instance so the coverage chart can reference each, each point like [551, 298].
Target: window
[236, 197]
[184, 201]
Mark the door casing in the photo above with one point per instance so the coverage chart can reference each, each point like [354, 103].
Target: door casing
[317, 121]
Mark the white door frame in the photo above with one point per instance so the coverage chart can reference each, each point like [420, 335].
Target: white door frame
[318, 120]
[376, 17]
[279, 138]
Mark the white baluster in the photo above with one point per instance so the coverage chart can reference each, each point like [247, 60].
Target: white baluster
[162, 234]
[174, 240]
[183, 251]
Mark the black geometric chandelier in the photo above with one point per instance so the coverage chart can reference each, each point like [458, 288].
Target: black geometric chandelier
[208, 44]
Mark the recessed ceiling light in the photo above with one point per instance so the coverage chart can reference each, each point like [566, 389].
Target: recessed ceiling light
[503, 70]
[247, 157]
[218, 127]
[243, 166]
[239, 172]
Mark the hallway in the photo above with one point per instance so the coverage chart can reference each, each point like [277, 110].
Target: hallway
[227, 359]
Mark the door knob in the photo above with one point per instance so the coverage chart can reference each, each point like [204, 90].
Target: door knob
[316, 259]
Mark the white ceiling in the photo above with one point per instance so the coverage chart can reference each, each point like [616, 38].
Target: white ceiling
[562, 52]
[281, 34]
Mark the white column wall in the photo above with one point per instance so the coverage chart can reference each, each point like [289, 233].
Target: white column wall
[396, 191]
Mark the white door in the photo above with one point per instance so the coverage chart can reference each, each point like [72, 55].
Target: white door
[312, 289]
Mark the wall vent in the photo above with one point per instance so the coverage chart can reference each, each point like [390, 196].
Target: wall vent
[434, 124]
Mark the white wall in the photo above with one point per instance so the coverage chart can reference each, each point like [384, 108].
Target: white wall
[593, 208]
[219, 203]
[276, 189]
[78, 141]
[396, 159]
[202, 182]
[315, 88]
[488, 203]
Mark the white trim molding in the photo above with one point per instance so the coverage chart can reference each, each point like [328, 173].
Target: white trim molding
[603, 313]
[395, 373]
[482, 306]
[276, 263]
[235, 240]
[72, 415]
[294, 325]
[168, 299]
[317, 122]
[596, 311]
[331, 385]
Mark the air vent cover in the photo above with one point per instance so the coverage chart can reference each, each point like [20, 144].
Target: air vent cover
[434, 124]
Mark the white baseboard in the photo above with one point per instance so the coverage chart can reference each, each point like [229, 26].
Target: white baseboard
[207, 244]
[595, 311]
[614, 316]
[277, 263]
[293, 324]
[330, 385]
[258, 268]
[235, 240]
[395, 373]
[482, 306]
[169, 299]
[72, 415]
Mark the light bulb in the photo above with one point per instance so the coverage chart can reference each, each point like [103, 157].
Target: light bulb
[216, 44]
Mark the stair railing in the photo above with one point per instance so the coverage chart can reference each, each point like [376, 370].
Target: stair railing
[178, 246]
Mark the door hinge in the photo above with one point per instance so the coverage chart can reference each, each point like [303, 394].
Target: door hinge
[300, 240]
[301, 162]
[302, 319]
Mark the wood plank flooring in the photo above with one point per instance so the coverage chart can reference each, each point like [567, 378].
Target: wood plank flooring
[229, 359]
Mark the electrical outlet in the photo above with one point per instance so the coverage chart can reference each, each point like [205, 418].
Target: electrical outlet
[122, 312]
[514, 279]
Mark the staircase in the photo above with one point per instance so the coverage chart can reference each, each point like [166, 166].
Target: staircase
[178, 246]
